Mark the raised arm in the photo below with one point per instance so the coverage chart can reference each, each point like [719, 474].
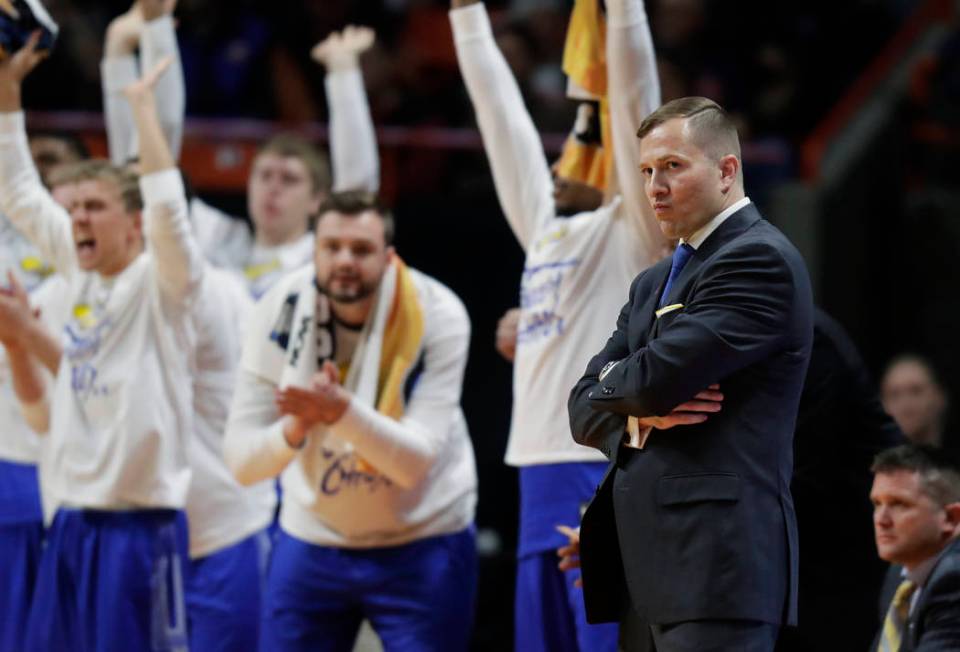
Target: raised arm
[179, 262]
[23, 199]
[520, 170]
[634, 93]
[353, 143]
[118, 69]
[158, 41]
[149, 25]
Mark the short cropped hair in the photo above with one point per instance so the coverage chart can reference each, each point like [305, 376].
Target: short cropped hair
[293, 146]
[939, 471]
[126, 181]
[713, 130]
[355, 202]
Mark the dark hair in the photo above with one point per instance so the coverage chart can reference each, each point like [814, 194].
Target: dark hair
[355, 202]
[711, 126]
[125, 181]
[917, 359]
[293, 146]
[939, 471]
[74, 143]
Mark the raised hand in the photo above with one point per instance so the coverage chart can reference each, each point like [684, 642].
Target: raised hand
[343, 49]
[694, 411]
[142, 89]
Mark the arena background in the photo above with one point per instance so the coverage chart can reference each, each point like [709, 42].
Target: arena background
[849, 110]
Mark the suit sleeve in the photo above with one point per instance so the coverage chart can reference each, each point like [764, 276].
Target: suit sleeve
[601, 430]
[940, 619]
[739, 313]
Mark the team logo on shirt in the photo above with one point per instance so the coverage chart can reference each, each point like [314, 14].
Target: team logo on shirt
[347, 471]
[81, 347]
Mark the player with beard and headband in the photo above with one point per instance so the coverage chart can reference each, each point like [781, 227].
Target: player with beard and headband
[289, 177]
[349, 390]
[116, 445]
[587, 232]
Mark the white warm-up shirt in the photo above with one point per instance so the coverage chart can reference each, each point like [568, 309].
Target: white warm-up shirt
[227, 241]
[220, 510]
[18, 443]
[424, 483]
[578, 269]
[121, 413]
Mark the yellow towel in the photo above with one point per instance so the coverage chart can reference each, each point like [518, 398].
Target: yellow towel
[588, 154]
[401, 342]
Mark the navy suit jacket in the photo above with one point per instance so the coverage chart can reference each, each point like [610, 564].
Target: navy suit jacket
[934, 623]
[700, 523]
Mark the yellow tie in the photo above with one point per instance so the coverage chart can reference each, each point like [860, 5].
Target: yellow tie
[892, 634]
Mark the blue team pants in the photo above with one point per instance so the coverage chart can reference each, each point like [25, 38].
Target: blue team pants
[418, 596]
[20, 547]
[224, 596]
[549, 611]
[111, 581]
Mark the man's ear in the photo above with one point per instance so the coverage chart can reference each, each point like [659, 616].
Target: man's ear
[729, 172]
[952, 521]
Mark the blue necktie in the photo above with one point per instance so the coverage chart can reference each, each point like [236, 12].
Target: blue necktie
[680, 257]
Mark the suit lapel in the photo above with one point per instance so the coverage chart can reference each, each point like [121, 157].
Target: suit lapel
[732, 227]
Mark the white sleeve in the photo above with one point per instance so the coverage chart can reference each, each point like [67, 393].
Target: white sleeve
[353, 143]
[520, 170]
[254, 446]
[116, 73]
[634, 93]
[158, 40]
[176, 255]
[404, 451]
[27, 204]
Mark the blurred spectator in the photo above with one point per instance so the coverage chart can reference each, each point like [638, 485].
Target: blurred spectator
[913, 395]
[916, 517]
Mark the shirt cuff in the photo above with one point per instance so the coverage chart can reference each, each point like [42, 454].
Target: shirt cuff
[163, 186]
[470, 22]
[118, 72]
[343, 64]
[358, 420]
[625, 13]
[278, 446]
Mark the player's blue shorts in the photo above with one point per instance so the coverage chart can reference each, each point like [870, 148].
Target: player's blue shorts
[224, 596]
[21, 539]
[548, 609]
[418, 596]
[111, 581]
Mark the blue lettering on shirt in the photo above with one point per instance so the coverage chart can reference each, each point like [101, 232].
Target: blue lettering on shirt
[540, 299]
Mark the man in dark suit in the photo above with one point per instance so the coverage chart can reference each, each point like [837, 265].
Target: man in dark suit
[694, 527]
[916, 520]
[841, 427]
